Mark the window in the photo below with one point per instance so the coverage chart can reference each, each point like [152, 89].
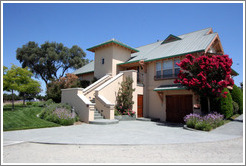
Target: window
[158, 70]
[176, 67]
[102, 60]
[168, 68]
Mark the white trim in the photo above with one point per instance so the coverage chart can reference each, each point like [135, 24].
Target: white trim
[72, 89]
[108, 82]
[105, 100]
[85, 100]
[101, 79]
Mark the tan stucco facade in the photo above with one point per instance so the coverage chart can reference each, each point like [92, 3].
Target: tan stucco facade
[154, 106]
[112, 55]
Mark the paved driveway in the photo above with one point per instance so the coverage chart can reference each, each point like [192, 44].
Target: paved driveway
[124, 133]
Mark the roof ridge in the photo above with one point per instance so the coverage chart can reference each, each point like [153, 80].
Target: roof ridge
[195, 31]
[150, 44]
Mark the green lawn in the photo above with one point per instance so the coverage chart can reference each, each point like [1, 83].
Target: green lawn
[23, 118]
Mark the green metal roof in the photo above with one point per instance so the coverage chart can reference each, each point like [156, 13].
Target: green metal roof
[170, 36]
[188, 43]
[133, 50]
[88, 68]
[169, 87]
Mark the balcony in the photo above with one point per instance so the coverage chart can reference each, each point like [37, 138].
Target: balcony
[165, 77]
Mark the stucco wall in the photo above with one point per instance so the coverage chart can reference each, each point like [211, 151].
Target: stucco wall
[153, 106]
[120, 55]
[83, 107]
[100, 69]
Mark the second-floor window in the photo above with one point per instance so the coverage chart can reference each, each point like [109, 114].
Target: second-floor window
[167, 69]
[176, 67]
[158, 69]
[102, 60]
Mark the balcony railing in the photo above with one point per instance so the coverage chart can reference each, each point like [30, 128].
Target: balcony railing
[164, 77]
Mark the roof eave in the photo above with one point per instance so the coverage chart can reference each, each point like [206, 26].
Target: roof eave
[92, 49]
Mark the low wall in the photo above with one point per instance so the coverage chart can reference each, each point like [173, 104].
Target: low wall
[83, 107]
[89, 91]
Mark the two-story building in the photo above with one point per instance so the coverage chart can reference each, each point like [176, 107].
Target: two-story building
[153, 69]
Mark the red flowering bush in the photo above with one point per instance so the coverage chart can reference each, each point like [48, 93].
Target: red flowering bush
[206, 75]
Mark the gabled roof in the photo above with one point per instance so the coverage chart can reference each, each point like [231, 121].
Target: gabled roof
[88, 68]
[170, 47]
[92, 49]
[188, 43]
[171, 38]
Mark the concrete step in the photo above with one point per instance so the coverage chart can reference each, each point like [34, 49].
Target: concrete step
[104, 121]
[98, 117]
[97, 114]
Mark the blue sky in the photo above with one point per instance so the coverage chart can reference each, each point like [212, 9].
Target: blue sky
[137, 24]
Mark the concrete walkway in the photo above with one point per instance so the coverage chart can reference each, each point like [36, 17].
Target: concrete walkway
[124, 133]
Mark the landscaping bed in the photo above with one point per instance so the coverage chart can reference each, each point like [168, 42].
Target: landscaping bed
[206, 123]
[23, 117]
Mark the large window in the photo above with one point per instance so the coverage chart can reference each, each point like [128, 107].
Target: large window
[158, 70]
[176, 67]
[168, 68]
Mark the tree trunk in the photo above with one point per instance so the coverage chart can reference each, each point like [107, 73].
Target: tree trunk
[24, 99]
[208, 105]
[13, 106]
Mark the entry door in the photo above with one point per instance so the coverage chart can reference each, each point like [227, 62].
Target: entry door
[177, 106]
[140, 105]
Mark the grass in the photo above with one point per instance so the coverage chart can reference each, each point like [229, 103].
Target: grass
[23, 117]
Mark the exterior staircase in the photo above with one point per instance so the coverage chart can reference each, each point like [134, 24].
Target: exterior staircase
[99, 119]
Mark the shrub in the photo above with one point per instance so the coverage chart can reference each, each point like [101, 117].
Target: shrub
[235, 107]
[29, 103]
[124, 97]
[59, 113]
[203, 125]
[226, 107]
[206, 123]
[54, 87]
[84, 83]
[192, 119]
[237, 96]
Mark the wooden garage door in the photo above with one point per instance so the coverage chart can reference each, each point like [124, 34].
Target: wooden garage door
[177, 106]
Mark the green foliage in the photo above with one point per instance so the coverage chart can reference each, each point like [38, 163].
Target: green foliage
[59, 113]
[29, 103]
[235, 107]
[54, 88]
[124, 97]
[226, 107]
[45, 61]
[19, 79]
[237, 96]
[8, 97]
[23, 118]
[84, 83]
[203, 125]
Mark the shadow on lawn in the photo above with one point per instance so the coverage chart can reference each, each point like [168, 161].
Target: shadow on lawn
[16, 107]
